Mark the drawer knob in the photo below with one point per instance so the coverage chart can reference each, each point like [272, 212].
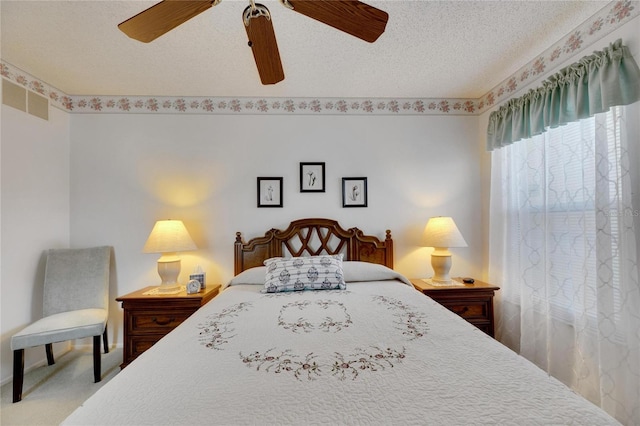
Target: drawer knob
[462, 311]
[163, 322]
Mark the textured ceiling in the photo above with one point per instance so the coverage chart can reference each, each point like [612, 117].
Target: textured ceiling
[455, 49]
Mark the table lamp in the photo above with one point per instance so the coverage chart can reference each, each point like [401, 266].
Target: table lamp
[169, 237]
[442, 233]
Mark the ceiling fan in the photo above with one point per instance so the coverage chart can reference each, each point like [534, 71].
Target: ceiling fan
[350, 16]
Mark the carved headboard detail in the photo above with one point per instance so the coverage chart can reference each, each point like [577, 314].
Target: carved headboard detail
[312, 237]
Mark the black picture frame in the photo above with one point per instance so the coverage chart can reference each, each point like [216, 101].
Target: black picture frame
[312, 177]
[269, 191]
[354, 192]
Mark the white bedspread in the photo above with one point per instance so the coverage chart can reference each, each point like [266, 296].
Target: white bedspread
[376, 353]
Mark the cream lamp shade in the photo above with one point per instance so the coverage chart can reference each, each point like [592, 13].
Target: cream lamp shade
[441, 233]
[169, 237]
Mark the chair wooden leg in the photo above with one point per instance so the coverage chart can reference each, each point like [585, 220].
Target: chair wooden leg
[18, 374]
[106, 341]
[96, 359]
[49, 349]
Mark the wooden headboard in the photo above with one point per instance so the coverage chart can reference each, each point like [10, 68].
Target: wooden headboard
[312, 237]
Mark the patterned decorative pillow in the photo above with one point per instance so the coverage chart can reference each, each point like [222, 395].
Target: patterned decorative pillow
[304, 273]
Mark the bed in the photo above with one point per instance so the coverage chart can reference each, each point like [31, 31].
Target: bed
[349, 343]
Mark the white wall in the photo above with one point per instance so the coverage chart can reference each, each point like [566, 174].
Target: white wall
[127, 171]
[35, 216]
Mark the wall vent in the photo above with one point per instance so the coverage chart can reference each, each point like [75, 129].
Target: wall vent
[25, 100]
[37, 105]
[13, 95]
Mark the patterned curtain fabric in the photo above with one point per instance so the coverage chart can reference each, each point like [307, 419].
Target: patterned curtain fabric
[564, 249]
[594, 84]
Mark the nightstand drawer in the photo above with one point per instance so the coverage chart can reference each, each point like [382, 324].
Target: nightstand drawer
[139, 344]
[473, 302]
[486, 327]
[149, 322]
[469, 310]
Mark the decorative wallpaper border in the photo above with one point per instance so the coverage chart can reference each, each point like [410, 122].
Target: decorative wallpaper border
[612, 16]
[237, 105]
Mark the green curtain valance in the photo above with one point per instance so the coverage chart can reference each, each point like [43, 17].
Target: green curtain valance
[592, 85]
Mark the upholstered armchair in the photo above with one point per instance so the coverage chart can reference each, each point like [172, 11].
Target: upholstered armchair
[75, 306]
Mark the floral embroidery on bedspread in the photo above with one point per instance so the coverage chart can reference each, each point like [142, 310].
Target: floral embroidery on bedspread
[410, 322]
[328, 323]
[373, 359]
[308, 316]
[218, 328]
[274, 361]
[341, 366]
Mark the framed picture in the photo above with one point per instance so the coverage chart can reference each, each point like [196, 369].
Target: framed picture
[311, 177]
[354, 192]
[269, 192]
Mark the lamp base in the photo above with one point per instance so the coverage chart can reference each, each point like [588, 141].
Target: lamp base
[169, 270]
[434, 283]
[441, 264]
[169, 289]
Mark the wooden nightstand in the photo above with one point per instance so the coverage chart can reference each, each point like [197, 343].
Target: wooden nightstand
[473, 302]
[148, 318]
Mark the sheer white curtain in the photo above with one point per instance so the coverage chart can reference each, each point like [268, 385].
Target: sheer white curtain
[564, 250]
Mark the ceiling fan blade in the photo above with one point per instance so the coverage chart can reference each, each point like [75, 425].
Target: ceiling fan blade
[162, 17]
[351, 16]
[262, 40]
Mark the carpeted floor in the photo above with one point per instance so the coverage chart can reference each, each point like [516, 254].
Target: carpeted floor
[51, 393]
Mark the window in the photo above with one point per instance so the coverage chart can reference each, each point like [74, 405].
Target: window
[562, 191]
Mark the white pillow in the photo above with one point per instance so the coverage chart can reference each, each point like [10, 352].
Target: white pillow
[304, 273]
[250, 276]
[355, 271]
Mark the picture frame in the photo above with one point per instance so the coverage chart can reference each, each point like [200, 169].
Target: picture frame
[312, 177]
[269, 191]
[354, 192]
